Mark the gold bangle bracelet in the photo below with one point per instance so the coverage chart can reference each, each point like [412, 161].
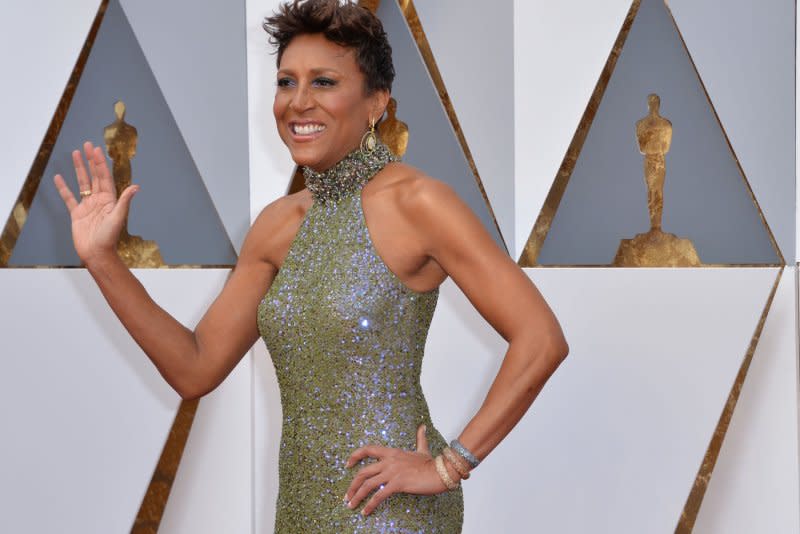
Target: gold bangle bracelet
[443, 474]
[459, 464]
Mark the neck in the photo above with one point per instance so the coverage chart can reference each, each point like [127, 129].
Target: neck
[348, 175]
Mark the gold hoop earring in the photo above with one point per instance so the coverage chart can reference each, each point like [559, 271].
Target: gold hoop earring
[369, 141]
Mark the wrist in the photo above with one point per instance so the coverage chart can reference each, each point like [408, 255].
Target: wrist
[101, 261]
[451, 470]
[447, 479]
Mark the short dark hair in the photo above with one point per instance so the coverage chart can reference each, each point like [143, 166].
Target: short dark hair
[346, 24]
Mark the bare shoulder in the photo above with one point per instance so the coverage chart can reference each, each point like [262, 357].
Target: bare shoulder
[275, 226]
[413, 190]
[435, 213]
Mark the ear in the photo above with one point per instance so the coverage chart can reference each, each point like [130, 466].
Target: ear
[380, 99]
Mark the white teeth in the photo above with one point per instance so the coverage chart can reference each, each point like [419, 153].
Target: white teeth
[307, 129]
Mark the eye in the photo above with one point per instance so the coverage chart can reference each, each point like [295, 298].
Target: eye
[284, 82]
[324, 82]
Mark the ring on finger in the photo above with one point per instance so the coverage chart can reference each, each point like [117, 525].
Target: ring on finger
[86, 193]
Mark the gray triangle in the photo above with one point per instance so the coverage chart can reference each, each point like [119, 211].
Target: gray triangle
[173, 207]
[706, 198]
[204, 82]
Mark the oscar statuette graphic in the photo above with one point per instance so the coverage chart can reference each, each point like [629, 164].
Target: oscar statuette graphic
[392, 131]
[120, 139]
[655, 248]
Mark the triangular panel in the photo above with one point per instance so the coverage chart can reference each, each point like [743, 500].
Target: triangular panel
[600, 196]
[173, 207]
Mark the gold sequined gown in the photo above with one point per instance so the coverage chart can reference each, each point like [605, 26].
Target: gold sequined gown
[346, 337]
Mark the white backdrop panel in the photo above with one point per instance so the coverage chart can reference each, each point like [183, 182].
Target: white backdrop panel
[212, 490]
[41, 40]
[85, 414]
[271, 165]
[755, 483]
[267, 417]
[620, 431]
[271, 169]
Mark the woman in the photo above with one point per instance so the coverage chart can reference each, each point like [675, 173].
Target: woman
[341, 280]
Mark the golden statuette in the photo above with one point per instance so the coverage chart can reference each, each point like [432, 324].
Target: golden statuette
[655, 248]
[120, 138]
[392, 131]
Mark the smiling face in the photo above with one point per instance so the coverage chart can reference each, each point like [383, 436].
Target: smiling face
[321, 107]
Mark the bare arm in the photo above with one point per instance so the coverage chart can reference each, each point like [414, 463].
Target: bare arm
[192, 362]
[505, 297]
[455, 239]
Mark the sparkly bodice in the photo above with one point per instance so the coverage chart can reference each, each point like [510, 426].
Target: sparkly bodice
[346, 337]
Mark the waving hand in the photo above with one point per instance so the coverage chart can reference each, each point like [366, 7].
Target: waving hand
[98, 218]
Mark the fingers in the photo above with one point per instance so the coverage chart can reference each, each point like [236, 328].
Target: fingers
[104, 180]
[123, 204]
[65, 193]
[362, 475]
[422, 440]
[384, 491]
[80, 172]
[371, 451]
[369, 485]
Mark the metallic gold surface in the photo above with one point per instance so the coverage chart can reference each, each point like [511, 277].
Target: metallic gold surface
[19, 213]
[655, 248]
[698, 491]
[155, 500]
[533, 246]
[654, 135]
[392, 131]
[414, 24]
[120, 138]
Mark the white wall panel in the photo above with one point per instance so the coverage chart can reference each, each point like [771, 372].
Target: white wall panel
[41, 40]
[560, 49]
[212, 491]
[85, 414]
[271, 165]
[267, 418]
[754, 487]
[271, 169]
[620, 431]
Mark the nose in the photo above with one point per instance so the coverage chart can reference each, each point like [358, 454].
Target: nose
[302, 99]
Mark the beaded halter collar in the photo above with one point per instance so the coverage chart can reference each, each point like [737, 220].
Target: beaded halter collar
[348, 175]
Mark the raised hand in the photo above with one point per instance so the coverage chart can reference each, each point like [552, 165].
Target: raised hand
[98, 218]
[396, 471]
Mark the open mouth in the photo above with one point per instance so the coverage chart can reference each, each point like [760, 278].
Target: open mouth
[306, 129]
